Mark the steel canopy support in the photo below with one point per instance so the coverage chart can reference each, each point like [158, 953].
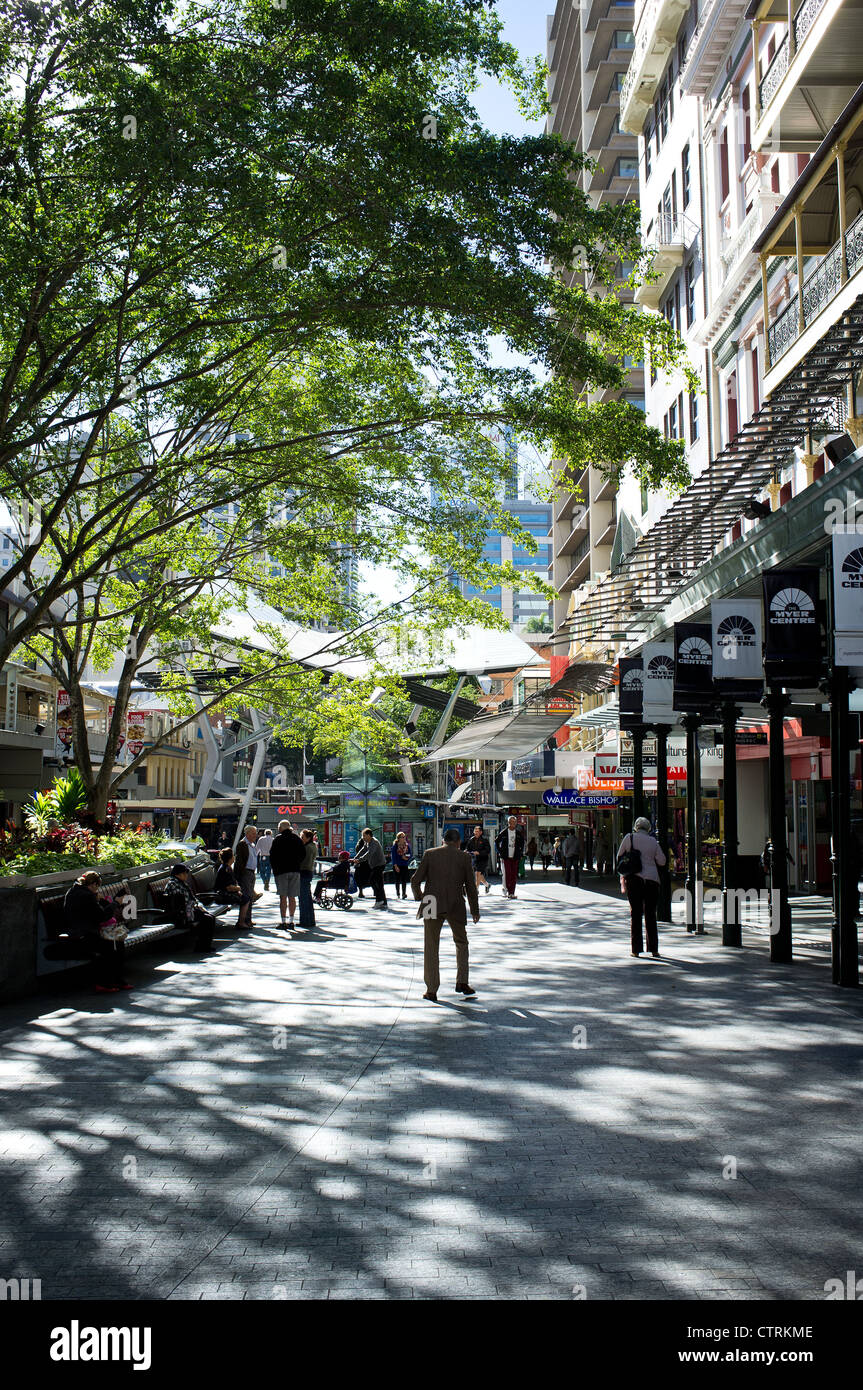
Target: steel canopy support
[694, 887]
[731, 933]
[443, 724]
[776, 702]
[260, 737]
[663, 906]
[844, 927]
[211, 766]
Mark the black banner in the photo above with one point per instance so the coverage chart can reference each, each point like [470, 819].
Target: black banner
[693, 667]
[631, 691]
[792, 626]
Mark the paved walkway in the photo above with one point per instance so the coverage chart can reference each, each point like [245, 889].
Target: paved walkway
[289, 1119]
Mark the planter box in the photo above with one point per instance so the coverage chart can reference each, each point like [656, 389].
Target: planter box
[22, 931]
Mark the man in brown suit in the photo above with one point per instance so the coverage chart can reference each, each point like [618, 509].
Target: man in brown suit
[444, 877]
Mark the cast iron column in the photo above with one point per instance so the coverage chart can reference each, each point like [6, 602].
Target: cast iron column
[663, 906]
[638, 772]
[844, 931]
[777, 702]
[694, 898]
[731, 934]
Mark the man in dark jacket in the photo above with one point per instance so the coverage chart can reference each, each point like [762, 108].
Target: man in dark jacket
[286, 860]
[186, 911]
[371, 853]
[510, 849]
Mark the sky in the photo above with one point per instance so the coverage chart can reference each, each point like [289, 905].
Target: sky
[524, 26]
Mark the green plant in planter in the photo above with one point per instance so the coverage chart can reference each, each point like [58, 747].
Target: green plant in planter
[69, 795]
[40, 811]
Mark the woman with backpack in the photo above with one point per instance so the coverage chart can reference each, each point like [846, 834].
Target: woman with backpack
[639, 860]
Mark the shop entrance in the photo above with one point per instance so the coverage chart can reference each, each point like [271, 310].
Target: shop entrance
[811, 847]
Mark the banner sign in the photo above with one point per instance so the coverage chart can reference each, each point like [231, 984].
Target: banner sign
[586, 782]
[792, 652]
[63, 741]
[693, 666]
[848, 598]
[737, 637]
[658, 682]
[631, 689]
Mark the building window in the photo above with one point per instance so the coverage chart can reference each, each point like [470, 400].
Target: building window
[645, 497]
[690, 294]
[731, 412]
[756, 391]
[774, 177]
[617, 81]
[623, 38]
[724, 186]
[746, 122]
[693, 417]
[626, 168]
[672, 421]
[685, 180]
[647, 163]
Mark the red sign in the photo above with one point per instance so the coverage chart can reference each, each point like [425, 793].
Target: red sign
[290, 810]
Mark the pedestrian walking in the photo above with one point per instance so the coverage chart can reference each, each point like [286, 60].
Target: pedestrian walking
[400, 853]
[545, 853]
[531, 851]
[557, 852]
[287, 857]
[307, 907]
[263, 845]
[639, 860]
[371, 854]
[246, 867]
[479, 849]
[444, 879]
[571, 859]
[601, 849]
[510, 848]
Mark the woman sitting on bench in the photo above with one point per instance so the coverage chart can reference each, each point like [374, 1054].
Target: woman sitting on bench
[84, 914]
[338, 878]
[227, 889]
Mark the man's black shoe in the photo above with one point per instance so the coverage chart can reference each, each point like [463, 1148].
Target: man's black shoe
[465, 989]
[429, 995]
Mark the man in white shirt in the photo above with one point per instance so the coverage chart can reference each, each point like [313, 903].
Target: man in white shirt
[510, 850]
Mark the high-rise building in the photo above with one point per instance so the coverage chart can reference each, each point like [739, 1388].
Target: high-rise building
[522, 489]
[589, 48]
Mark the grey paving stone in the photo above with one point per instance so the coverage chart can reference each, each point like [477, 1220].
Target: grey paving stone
[397, 1150]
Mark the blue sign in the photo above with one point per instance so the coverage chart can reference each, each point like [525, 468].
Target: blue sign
[569, 797]
[428, 812]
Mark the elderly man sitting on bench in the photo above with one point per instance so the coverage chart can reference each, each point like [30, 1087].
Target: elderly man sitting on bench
[185, 909]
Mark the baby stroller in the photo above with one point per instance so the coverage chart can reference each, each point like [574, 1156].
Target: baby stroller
[332, 888]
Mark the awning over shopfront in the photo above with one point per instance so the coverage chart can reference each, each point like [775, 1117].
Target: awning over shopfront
[499, 737]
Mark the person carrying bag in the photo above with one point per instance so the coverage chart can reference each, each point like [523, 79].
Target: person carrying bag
[639, 860]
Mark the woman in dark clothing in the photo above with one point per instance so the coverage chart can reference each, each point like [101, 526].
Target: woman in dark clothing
[479, 849]
[307, 906]
[401, 857]
[531, 850]
[227, 887]
[84, 913]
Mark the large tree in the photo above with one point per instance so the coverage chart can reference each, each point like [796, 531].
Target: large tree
[263, 252]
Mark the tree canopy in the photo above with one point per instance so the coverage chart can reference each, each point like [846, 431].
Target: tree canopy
[261, 257]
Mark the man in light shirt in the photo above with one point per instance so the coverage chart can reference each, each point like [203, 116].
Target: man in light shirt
[246, 866]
